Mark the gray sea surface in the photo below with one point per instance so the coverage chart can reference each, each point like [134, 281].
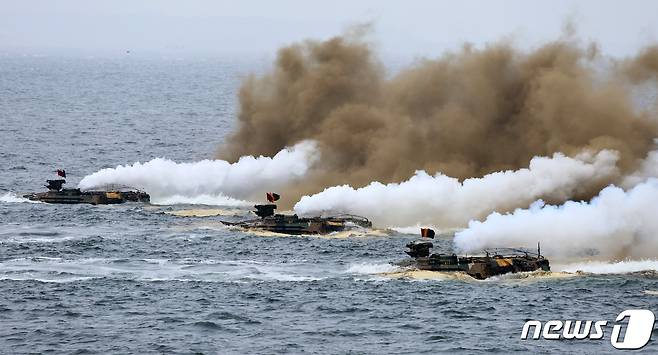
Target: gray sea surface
[135, 278]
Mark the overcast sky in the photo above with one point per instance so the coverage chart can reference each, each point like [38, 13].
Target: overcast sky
[404, 28]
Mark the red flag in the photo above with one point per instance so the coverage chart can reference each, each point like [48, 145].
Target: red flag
[271, 196]
[61, 173]
[427, 233]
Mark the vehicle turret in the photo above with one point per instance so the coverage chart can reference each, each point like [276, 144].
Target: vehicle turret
[263, 211]
[419, 249]
[55, 185]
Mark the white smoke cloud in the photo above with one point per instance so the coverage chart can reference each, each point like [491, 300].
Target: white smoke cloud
[210, 181]
[648, 169]
[615, 225]
[444, 201]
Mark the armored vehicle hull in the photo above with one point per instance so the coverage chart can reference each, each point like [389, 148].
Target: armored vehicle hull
[295, 225]
[56, 194]
[479, 267]
[72, 196]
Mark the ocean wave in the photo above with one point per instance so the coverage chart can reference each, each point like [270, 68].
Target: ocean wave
[371, 269]
[206, 212]
[47, 280]
[11, 237]
[11, 197]
[154, 270]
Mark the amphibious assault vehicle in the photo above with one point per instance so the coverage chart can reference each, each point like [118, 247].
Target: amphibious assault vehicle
[494, 262]
[292, 224]
[57, 194]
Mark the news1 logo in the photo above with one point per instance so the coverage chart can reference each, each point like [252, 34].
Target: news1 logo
[636, 335]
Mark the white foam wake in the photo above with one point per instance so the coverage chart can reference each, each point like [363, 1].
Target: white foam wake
[210, 200]
[13, 198]
[45, 269]
[210, 181]
[620, 267]
[371, 269]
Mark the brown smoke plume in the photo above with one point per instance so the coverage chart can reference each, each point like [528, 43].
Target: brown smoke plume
[464, 114]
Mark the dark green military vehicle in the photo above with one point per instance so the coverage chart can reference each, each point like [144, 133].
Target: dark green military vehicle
[57, 194]
[295, 225]
[494, 261]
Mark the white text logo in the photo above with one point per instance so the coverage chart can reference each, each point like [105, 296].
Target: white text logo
[636, 334]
